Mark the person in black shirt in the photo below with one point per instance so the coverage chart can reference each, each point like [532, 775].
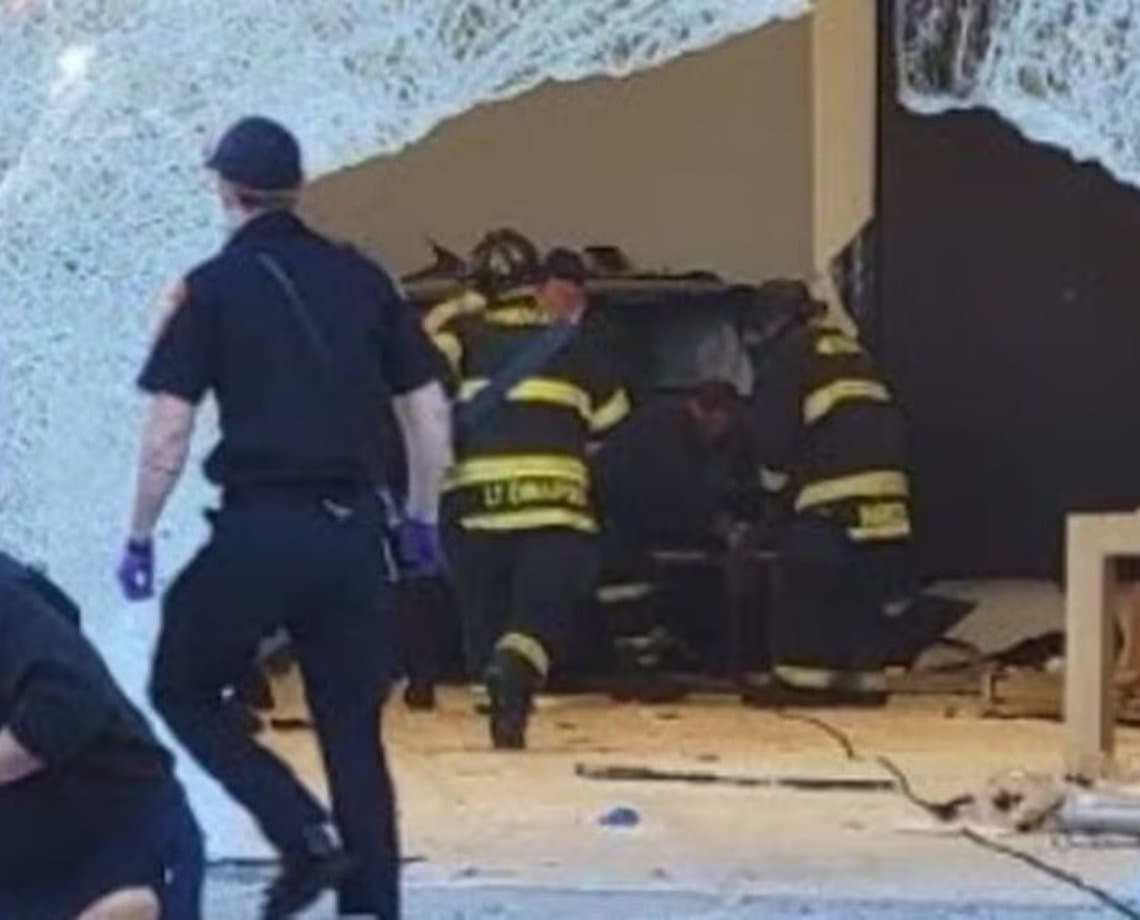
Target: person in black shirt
[297, 339]
[665, 478]
[89, 807]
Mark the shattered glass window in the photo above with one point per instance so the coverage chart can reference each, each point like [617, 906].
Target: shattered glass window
[1065, 72]
[106, 110]
[943, 44]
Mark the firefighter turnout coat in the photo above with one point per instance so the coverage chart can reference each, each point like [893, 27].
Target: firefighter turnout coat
[524, 467]
[827, 424]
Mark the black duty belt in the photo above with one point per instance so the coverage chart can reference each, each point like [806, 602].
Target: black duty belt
[300, 491]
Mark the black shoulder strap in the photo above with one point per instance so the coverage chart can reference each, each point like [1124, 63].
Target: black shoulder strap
[530, 358]
[318, 345]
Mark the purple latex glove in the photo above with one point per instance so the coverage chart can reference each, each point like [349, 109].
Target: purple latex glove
[421, 555]
[136, 570]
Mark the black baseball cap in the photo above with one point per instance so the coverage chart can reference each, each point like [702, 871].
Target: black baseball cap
[258, 154]
[564, 265]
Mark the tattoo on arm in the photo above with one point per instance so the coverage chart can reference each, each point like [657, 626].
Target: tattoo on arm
[165, 445]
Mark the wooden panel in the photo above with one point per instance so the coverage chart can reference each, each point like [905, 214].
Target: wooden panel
[1089, 583]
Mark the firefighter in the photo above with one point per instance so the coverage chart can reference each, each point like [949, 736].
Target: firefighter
[93, 821]
[520, 530]
[298, 338]
[665, 480]
[830, 439]
[503, 264]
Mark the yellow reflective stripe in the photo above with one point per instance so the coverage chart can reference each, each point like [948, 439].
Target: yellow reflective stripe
[533, 519]
[527, 648]
[611, 412]
[523, 295]
[821, 401]
[443, 313]
[809, 678]
[896, 531]
[835, 344]
[538, 389]
[881, 520]
[516, 316]
[450, 347]
[481, 470]
[879, 484]
[826, 679]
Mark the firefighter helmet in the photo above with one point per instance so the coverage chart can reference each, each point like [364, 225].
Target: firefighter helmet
[504, 259]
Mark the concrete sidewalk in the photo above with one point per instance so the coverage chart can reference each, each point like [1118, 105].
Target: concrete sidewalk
[519, 835]
[235, 895]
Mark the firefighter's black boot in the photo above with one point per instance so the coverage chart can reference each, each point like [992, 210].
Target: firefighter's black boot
[319, 865]
[511, 682]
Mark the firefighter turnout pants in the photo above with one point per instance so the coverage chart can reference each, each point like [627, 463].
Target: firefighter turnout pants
[828, 629]
[520, 592]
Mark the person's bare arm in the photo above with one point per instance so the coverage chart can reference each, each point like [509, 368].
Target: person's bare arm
[165, 445]
[425, 423]
[16, 761]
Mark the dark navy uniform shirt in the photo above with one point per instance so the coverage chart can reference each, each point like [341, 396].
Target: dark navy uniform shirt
[658, 479]
[62, 705]
[285, 415]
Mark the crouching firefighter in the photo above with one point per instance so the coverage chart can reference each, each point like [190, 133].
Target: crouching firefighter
[520, 532]
[92, 821]
[830, 439]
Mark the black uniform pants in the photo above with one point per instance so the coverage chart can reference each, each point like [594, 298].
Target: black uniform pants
[310, 566]
[828, 613]
[528, 583]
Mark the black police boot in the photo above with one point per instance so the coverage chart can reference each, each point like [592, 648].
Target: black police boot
[510, 686]
[319, 865]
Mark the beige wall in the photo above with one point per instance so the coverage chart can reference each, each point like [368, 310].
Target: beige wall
[844, 80]
[706, 162]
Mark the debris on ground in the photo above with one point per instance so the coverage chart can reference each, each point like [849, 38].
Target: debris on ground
[622, 816]
[1096, 813]
[644, 774]
[1016, 801]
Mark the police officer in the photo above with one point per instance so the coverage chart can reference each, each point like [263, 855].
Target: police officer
[92, 816]
[297, 338]
[830, 437]
[521, 531]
